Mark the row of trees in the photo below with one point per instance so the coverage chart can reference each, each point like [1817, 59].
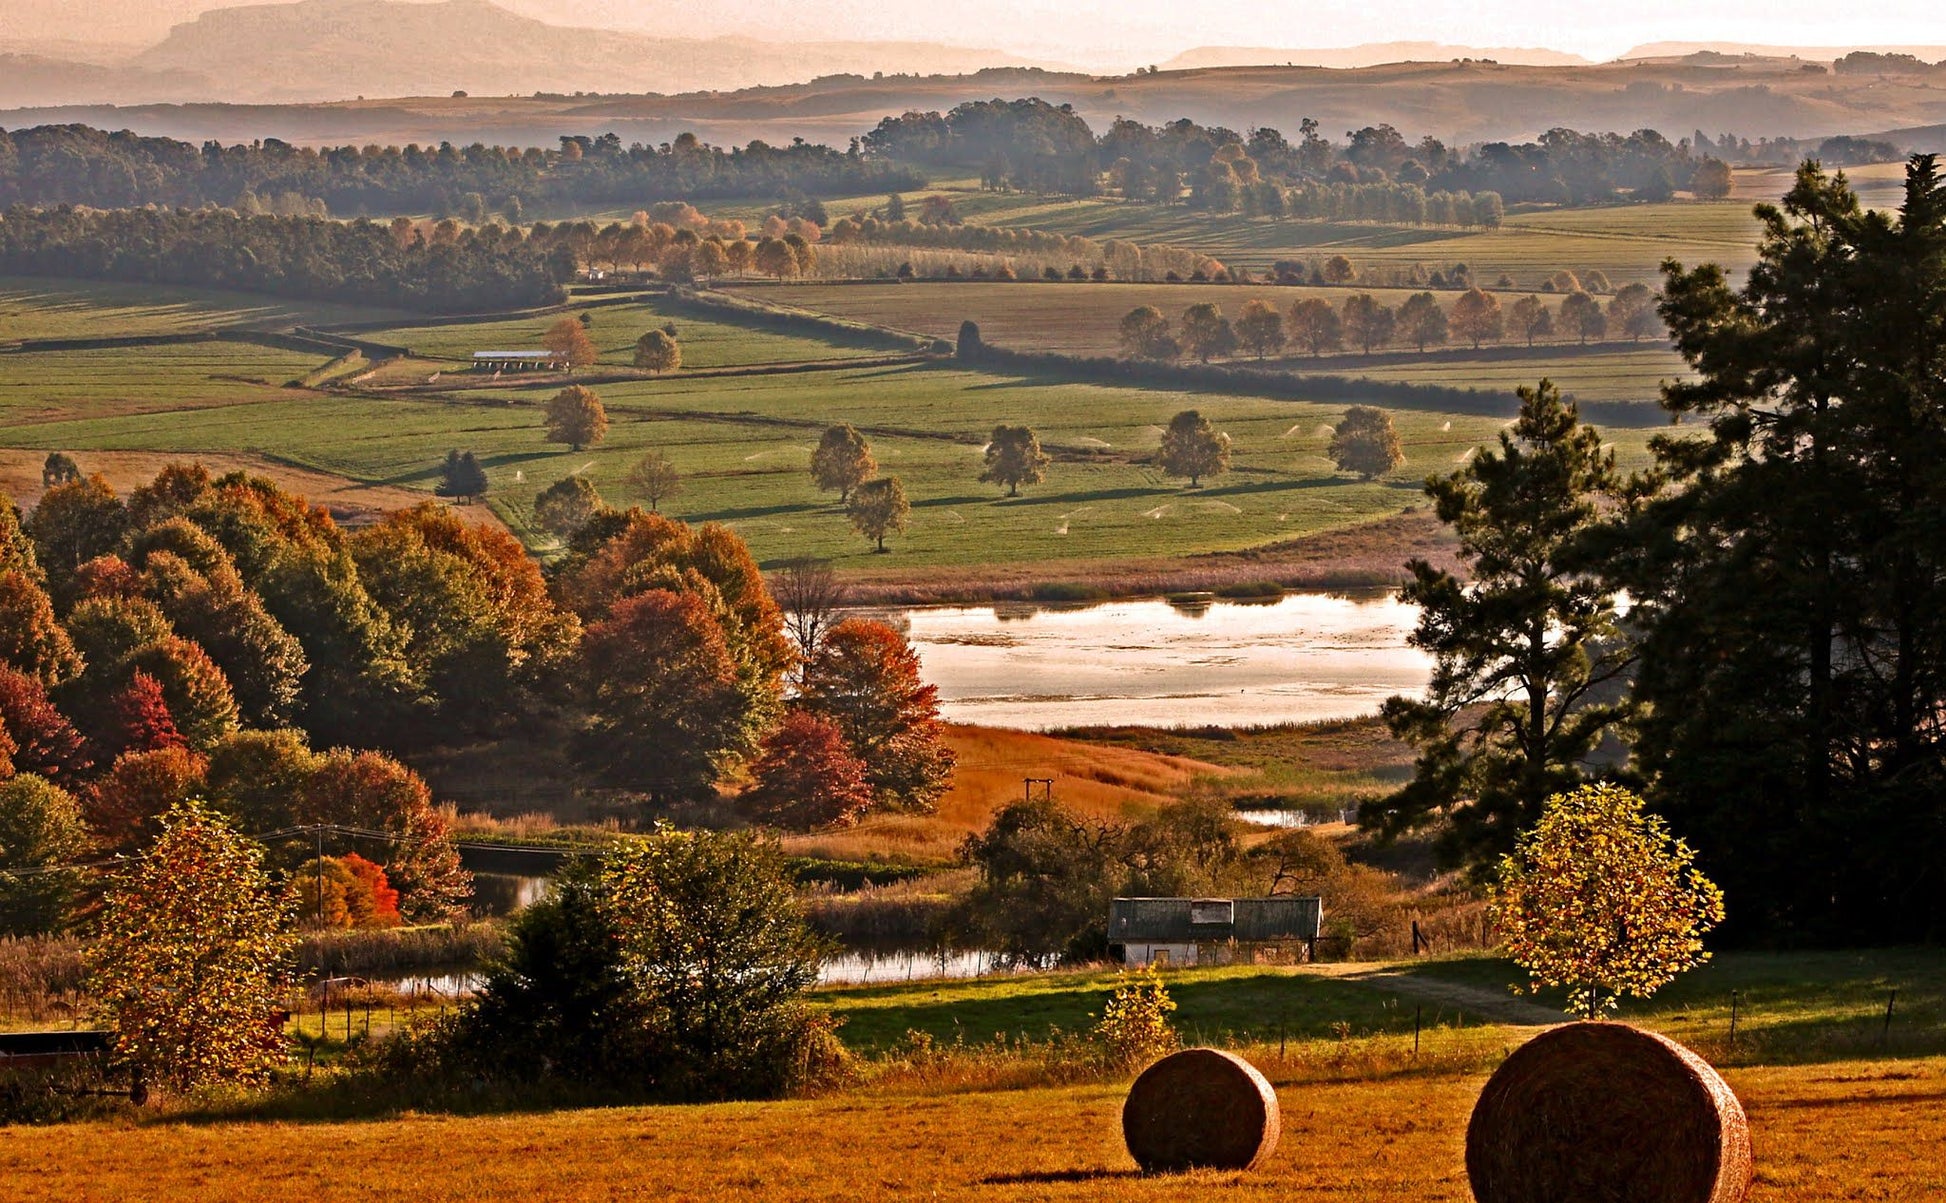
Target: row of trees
[1376, 173]
[79, 165]
[1312, 325]
[316, 259]
[1777, 676]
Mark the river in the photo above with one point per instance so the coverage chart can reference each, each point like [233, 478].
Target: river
[1304, 657]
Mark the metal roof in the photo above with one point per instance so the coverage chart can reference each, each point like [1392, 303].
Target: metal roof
[1193, 920]
[515, 355]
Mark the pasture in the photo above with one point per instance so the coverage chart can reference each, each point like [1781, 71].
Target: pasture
[36, 308]
[614, 329]
[984, 1107]
[1083, 319]
[741, 432]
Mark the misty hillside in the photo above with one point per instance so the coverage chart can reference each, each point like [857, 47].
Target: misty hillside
[1372, 54]
[318, 50]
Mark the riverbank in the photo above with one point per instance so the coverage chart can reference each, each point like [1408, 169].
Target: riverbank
[1371, 555]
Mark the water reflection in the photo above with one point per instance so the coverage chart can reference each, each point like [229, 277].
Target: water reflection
[1189, 662]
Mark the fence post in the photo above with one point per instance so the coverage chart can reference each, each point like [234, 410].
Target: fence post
[1733, 1019]
[1886, 1034]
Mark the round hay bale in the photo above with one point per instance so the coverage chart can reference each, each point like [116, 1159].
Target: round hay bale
[1607, 1113]
[1200, 1109]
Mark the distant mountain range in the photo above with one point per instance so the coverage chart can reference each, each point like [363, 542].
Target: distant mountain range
[321, 50]
[1814, 54]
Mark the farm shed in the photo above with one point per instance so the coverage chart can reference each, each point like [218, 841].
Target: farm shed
[516, 361]
[1213, 931]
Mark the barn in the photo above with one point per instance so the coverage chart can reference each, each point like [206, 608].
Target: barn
[1214, 931]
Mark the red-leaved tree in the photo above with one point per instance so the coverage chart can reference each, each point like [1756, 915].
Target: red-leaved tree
[865, 679]
[142, 722]
[806, 777]
[40, 738]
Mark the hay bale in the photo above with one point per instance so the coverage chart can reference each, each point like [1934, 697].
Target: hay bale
[1200, 1109]
[1607, 1113]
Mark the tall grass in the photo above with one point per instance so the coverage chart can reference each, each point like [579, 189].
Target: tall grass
[398, 951]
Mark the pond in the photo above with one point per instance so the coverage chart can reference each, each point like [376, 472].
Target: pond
[1303, 657]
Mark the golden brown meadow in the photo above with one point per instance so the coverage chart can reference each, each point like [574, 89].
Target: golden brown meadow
[1864, 1130]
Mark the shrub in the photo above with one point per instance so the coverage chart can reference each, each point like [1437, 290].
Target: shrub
[1134, 1027]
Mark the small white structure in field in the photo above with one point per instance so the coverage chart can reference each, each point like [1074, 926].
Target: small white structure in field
[516, 361]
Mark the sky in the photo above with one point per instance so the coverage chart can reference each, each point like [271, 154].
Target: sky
[1128, 33]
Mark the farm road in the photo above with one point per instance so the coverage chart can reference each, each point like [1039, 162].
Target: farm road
[1494, 1004]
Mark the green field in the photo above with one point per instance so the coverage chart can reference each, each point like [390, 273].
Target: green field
[614, 329]
[744, 443]
[56, 386]
[32, 308]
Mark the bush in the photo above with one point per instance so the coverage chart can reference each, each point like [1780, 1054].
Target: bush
[1134, 1027]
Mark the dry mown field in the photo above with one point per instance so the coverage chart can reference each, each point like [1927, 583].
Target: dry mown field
[1846, 1131]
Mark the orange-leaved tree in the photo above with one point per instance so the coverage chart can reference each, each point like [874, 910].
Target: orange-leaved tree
[864, 677]
[194, 949]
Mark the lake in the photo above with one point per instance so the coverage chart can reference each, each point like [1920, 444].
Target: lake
[1303, 657]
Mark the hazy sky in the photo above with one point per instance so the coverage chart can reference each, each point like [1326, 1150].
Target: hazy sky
[1130, 32]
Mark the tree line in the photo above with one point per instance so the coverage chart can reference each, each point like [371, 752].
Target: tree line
[446, 268]
[80, 165]
[1032, 145]
[1778, 672]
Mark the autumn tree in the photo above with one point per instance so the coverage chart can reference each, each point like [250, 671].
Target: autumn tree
[1631, 311]
[1712, 180]
[1206, 333]
[879, 508]
[565, 506]
[1192, 447]
[1145, 335]
[142, 719]
[1600, 899]
[42, 838]
[1260, 328]
[32, 640]
[1338, 270]
[374, 791]
[842, 461]
[667, 715]
[575, 416]
[654, 479]
[35, 737]
[1527, 645]
[1421, 321]
[805, 777]
[1014, 458]
[1366, 442]
[1532, 318]
[1368, 323]
[1316, 327]
[192, 955]
[568, 341]
[1477, 318]
[864, 677]
[658, 351]
[75, 522]
[1581, 316]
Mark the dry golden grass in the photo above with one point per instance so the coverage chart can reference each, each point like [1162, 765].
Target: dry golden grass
[1847, 1131]
[348, 500]
[1099, 781]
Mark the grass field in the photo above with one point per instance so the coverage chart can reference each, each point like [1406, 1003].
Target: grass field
[1363, 1117]
[744, 444]
[55, 386]
[34, 308]
[614, 328]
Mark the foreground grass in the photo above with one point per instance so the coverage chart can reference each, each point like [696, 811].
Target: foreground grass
[1864, 1130]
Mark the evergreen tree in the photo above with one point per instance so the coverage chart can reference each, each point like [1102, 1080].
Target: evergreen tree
[1526, 645]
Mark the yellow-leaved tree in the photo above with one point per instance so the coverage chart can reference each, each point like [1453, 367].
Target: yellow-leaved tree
[1599, 898]
[193, 956]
